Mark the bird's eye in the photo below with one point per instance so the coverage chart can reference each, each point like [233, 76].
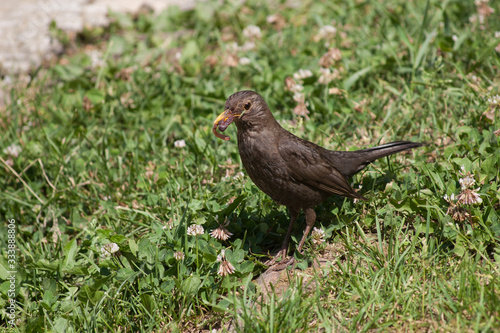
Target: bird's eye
[247, 106]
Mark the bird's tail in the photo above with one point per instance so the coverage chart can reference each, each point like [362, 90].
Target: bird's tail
[389, 149]
[356, 161]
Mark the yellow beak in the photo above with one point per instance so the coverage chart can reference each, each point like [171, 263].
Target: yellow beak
[223, 117]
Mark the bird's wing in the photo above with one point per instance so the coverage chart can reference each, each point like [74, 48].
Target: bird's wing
[307, 165]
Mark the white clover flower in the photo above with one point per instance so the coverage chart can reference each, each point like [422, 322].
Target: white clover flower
[299, 97]
[180, 144]
[221, 233]
[469, 197]
[244, 61]
[335, 54]
[317, 236]
[293, 86]
[327, 75]
[334, 91]
[297, 88]
[96, 59]
[225, 267]
[449, 198]
[195, 230]
[330, 57]
[326, 32]
[252, 32]
[302, 74]
[222, 255]
[247, 46]
[272, 18]
[239, 176]
[12, 150]
[7, 79]
[232, 47]
[467, 182]
[457, 212]
[497, 34]
[301, 110]
[277, 21]
[109, 249]
[289, 83]
[179, 255]
[230, 60]
[483, 11]
[494, 100]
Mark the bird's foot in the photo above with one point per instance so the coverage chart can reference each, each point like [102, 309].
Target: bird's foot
[282, 265]
[280, 256]
[280, 261]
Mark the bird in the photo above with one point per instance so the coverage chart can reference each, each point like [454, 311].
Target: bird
[294, 172]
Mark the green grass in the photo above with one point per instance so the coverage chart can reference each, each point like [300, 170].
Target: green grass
[98, 164]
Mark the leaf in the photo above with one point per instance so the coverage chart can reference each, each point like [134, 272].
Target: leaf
[122, 19]
[209, 253]
[223, 305]
[190, 51]
[95, 96]
[195, 205]
[60, 325]
[49, 265]
[148, 302]
[229, 209]
[69, 252]
[105, 233]
[125, 274]
[134, 248]
[235, 255]
[117, 45]
[68, 72]
[246, 267]
[88, 294]
[78, 270]
[351, 80]
[167, 286]
[302, 265]
[191, 285]
[146, 250]
[424, 48]
[118, 239]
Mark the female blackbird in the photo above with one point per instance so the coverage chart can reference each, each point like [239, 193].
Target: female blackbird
[292, 171]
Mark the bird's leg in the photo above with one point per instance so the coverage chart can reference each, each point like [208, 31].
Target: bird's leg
[284, 246]
[310, 219]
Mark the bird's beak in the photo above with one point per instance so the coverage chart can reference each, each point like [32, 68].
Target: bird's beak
[222, 122]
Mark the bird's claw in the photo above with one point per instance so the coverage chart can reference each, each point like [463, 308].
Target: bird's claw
[279, 262]
[282, 265]
[277, 258]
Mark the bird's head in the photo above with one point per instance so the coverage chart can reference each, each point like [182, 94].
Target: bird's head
[242, 107]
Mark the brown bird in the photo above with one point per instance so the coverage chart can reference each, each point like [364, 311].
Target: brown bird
[292, 171]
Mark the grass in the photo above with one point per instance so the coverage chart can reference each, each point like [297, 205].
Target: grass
[92, 155]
